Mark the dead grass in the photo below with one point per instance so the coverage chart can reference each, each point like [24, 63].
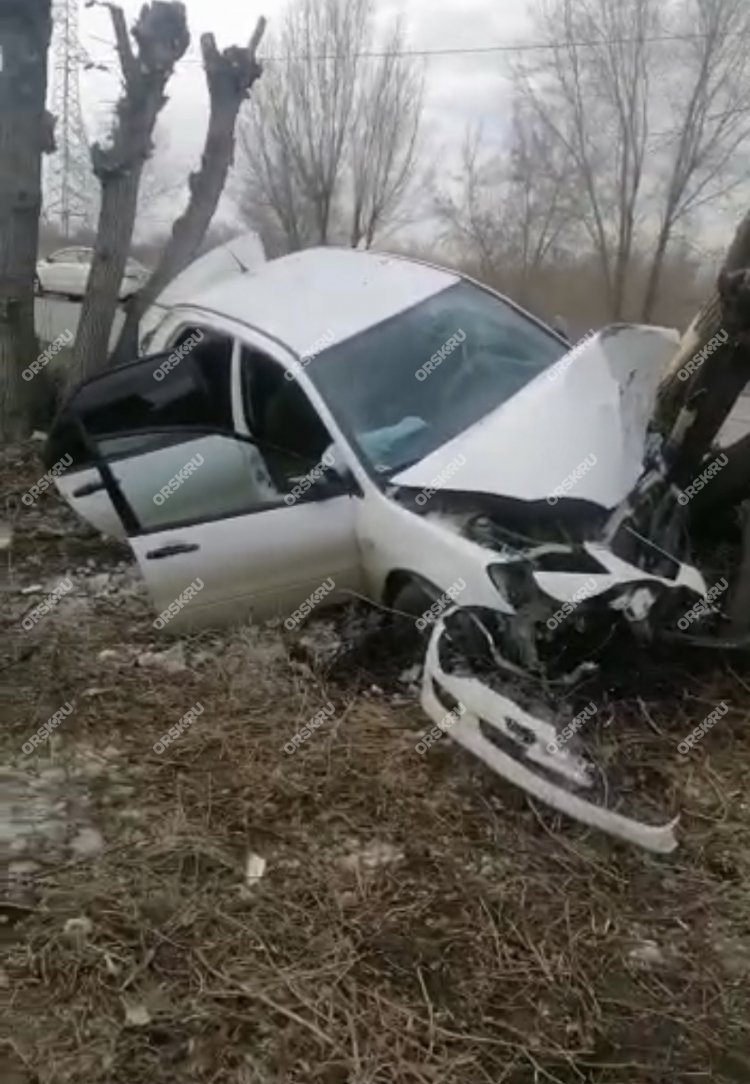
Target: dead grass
[417, 923]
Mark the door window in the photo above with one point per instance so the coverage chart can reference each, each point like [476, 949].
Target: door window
[282, 419]
[143, 401]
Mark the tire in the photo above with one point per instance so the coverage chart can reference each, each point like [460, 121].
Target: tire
[409, 603]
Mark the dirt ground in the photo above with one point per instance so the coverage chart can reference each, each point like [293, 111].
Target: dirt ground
[354, 913]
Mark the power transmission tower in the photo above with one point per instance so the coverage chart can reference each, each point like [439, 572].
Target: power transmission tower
[69, 183]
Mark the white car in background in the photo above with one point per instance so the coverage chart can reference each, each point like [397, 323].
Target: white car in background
[408, 435]
[66, 272]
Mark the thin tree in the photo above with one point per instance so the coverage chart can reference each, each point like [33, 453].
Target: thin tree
[648, 101]
[161, 36]
[509, 212]
[26, 132]
[329, 145]
[710, 123]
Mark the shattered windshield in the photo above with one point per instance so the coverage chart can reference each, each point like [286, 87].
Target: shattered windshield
[405, 387]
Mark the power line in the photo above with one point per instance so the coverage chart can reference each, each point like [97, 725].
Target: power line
[510, 47]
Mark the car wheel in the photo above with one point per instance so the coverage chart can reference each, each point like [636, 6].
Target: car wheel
[412, 600]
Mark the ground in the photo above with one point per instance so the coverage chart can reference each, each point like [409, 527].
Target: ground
[351, 913]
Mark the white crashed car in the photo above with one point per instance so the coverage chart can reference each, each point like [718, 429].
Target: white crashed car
[66, 273]
[341, 423]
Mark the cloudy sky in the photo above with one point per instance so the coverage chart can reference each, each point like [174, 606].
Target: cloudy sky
[460, 89]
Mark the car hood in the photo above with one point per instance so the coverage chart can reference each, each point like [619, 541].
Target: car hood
[578, 430]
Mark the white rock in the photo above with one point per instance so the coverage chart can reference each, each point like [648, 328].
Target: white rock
[372, 856]
[255, 867]
[87, 843]
[173, 660]
[137, 1015]
[78, 929]
[647, 954]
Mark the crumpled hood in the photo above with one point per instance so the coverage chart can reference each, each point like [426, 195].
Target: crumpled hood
[578, 430]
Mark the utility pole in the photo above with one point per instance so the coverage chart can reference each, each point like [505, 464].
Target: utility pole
[69, 181]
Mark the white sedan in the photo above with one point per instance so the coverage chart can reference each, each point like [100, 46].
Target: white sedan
[339, 423]
[66, 272]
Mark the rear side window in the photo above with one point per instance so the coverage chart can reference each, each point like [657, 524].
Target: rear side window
[189, 386]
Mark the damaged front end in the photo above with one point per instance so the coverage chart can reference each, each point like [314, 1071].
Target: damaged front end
[577, 574]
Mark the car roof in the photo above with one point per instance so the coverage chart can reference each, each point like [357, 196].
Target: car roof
[322, 296]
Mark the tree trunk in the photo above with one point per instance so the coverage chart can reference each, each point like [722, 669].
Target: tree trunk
[230, 76]
[116, 217]
[25, 134]
[654, 275]
[162, 37]
[693, 406]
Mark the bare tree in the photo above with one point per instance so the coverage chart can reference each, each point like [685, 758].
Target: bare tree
[616, 71]
[162, 37]
[26, 132]
[710, 121]
[384, 138]
[510, 213]
[328, 146]
[230, 75]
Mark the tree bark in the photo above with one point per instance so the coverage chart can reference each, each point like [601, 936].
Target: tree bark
[230, 76]
[693, 410]
[25, 134]
[162, 37]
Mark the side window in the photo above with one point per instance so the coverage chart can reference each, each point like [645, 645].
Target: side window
[131, 407]
[197, 478]
[291, 436]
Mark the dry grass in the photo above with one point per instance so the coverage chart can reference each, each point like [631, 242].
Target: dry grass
[418, 923]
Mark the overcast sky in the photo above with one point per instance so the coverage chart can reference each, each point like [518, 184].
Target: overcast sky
[460, 89]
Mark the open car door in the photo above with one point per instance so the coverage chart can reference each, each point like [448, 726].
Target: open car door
[196, 501]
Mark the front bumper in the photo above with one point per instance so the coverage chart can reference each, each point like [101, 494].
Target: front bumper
[548, 776]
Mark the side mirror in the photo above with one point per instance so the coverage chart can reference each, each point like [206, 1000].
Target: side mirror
[337, 482]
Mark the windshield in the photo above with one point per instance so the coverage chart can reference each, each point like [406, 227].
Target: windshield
[402, 389]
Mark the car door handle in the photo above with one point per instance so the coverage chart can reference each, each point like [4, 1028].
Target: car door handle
[87, 490]
[172, 551]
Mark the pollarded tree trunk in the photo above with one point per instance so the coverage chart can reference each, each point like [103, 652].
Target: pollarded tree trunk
[162, 37]
[230, 76]
[25, 134]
